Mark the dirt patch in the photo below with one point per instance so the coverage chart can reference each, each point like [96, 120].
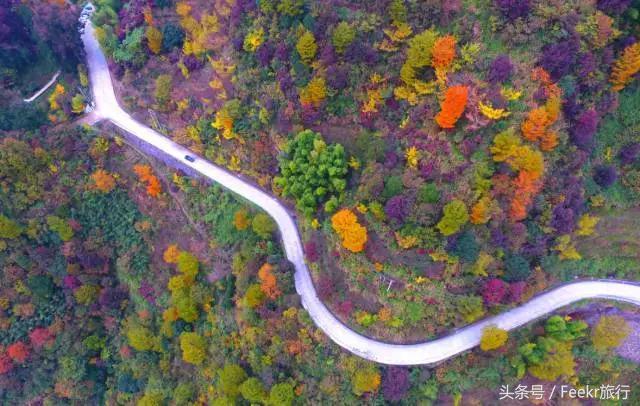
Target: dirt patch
[616, 234]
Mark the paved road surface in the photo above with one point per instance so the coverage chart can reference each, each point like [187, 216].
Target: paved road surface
[431, 352]
[43, 89]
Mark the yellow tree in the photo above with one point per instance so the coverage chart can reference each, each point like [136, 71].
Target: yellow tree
[307, 47]
[493, 338]
[626, 67]
[103, 181]
[610, 332]
[314, 93]
[154, 39]
[193, 348]
[345, 224]
[171, 254]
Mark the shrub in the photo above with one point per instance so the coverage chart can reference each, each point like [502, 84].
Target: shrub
[493, 338]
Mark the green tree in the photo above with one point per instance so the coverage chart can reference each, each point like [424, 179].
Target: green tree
[557, 363]
[193, 348]
[560, 329]
[281, 394]
[312, 171]
[466, 247]
[185, 305]
[163, 91]
[392, 187]
[455, 216]
[254, 296]
[172, 37]
[253, 391]
[306, 46]
[77, 103]
[183, 393]
[516, 268]
[188, 265]
[22, 173]
[342, 36]
[231, 377]
[9, 228]
[470, 307]
[365, 380]
[398, 11]
[86, 294]
[429, 193]
[60, 226]
[141, 338]
[262, 225]
[420, 49]
[131, 50]
[290, 8]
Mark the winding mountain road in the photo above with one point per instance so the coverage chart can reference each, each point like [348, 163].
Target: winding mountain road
[431, 352]
[43, 88]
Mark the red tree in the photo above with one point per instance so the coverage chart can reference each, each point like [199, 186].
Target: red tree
[40, 337]
[494, 291]
[18, 352]
[5, 364]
